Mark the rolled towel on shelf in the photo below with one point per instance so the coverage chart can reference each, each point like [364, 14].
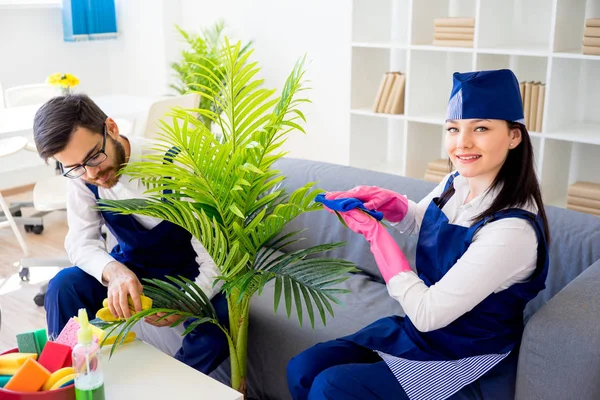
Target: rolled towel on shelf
[592, 31]
[583, 202]
[455, 29]
[591, 50]
[452, 36]
[593, 22]
[467, 22]
[591, 41]
[588, 190]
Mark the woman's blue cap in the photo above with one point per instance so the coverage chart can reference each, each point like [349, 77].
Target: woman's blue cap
[486, 95]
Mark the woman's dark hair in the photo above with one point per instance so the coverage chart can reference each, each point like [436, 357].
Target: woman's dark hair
[57, 119]
[518, 181]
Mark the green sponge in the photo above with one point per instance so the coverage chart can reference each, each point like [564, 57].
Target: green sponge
[4, 379]
[26, 343]
[41, 338]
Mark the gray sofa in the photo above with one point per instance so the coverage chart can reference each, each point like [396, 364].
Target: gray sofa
[560, 353]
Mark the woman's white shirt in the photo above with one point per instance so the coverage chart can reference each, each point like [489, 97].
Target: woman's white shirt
[501, 254]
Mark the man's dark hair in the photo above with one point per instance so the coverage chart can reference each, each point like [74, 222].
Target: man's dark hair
[57, 119]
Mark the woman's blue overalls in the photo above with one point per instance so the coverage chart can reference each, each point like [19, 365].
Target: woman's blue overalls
[474, 357]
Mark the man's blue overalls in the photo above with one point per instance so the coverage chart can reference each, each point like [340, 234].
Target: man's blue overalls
[163, 250]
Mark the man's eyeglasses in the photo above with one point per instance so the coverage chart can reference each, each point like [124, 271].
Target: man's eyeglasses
[92, 161]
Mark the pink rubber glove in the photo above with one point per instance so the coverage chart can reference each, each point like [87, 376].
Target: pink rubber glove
[389, 258]
[394, 206]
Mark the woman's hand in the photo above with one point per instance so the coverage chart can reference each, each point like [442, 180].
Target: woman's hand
[389, 258]
[392, 205]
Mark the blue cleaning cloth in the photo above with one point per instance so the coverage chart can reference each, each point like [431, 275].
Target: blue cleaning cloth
[485, 95]
[347, 204]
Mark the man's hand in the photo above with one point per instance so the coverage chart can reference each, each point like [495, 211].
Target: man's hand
[154, 319]
[122, 282]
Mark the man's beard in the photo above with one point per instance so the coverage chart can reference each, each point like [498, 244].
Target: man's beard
[118, 163]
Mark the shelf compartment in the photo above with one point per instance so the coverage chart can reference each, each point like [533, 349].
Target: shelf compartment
[424, 143]
[430, 82]
[573, 98]
[382, 24]
[555, 172]
[424, 13]
[377, 144]
[526, 68]
[566, 163]
[570, 26]
[368, 67]
[504, 24]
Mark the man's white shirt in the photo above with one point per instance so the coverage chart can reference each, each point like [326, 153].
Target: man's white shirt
[84, 244]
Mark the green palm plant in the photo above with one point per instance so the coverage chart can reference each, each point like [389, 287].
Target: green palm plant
[228, 194]
[202, 52]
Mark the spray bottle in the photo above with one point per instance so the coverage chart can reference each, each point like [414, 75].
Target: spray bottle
[89, 380]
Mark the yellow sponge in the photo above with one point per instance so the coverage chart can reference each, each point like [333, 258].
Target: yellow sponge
[105, 315]
[146, 302]
[62, 381]
[10, 363]
[128, 338]
[57, 376]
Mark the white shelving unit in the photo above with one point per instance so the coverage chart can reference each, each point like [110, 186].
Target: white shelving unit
[540, 40]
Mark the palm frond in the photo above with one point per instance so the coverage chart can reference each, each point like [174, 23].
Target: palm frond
[225, 190]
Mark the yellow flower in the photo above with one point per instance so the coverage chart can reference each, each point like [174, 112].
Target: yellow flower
[62, 80]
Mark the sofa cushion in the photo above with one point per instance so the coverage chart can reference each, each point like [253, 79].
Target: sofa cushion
[574, 246]
[561, 344]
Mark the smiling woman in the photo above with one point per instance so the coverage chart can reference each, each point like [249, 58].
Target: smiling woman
[482, 255]
[478, 148]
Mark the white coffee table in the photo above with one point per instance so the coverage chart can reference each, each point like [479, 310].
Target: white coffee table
[139, 371]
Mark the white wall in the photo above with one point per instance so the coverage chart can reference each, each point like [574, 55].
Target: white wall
[137, 63]
[140, 58]
[283, 31]
[32, 47]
